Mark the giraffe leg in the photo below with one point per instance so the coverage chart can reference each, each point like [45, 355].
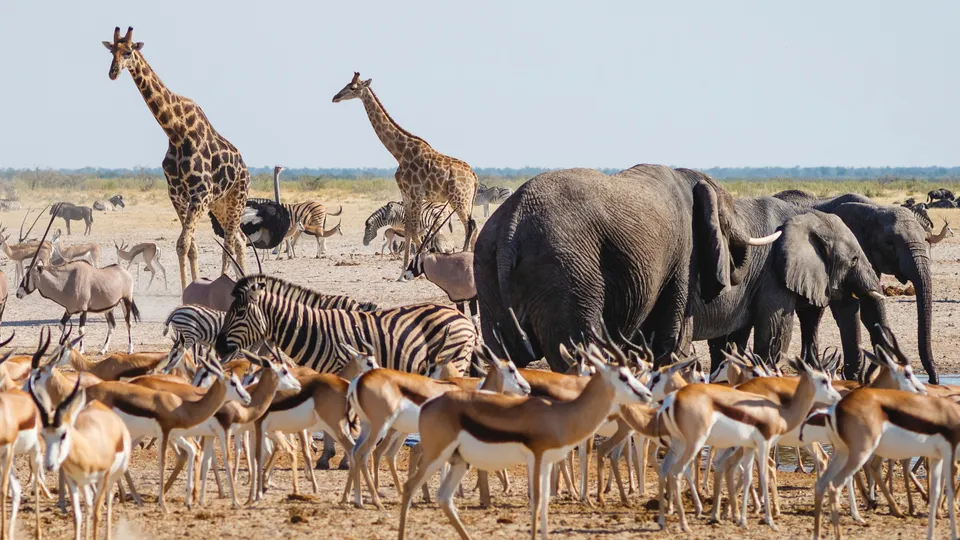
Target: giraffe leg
[185, 244]
[411, 228]
[228, 213]
[469, 226]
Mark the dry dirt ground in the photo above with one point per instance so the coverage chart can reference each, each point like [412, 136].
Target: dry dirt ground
[348, 267]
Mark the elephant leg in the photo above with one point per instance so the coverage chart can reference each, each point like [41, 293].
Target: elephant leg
[718, 345]
[772, 335]
[809, 317]
[667, 322]
[847, 314]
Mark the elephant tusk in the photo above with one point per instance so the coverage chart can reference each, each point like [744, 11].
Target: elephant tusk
[876, 296]
[769, 239]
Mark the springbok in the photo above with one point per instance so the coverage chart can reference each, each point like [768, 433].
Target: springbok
[90, 443]
[157, 413]
[496, 431]
[945, 232]
[321, 235]
[81, 288]
[147, 253]
[897, 425]
[89, 251]
[724, 417]
[25, 251]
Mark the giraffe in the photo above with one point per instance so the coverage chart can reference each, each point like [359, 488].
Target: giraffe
[424, 175]
[203, 169]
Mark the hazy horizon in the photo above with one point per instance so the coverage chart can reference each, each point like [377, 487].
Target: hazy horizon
[503, 84]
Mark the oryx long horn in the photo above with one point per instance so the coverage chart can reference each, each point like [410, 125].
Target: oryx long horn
[233, 259]
[524, 338]
[9, 339]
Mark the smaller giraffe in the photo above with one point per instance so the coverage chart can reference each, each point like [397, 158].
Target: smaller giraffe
[424, 175]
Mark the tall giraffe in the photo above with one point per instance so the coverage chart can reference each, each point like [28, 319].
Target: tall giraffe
[203, 169]
[424, 175]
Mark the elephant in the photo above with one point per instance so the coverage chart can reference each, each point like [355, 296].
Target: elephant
[895, 243]
[574, 249]
[818, 260]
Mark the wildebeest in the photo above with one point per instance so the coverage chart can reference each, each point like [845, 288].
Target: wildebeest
[71, 212]
[940, 194]
[110, 205]
[943, 203]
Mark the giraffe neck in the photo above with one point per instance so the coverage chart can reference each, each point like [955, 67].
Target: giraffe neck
[159, 99]
[397, 140]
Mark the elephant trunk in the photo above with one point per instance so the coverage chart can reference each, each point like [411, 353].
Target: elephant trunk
[915, 265]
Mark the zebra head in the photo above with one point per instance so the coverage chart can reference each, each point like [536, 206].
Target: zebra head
[388, 214]
[244, 324]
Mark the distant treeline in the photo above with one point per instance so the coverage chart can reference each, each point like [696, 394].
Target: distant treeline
[722, 173]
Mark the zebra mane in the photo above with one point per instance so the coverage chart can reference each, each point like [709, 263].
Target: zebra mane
[302, 295]
[923, 217]
[393, 209]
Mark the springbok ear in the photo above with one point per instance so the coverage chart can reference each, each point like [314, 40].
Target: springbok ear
[108, 45]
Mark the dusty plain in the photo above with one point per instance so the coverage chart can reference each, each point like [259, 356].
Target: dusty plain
[350, 268]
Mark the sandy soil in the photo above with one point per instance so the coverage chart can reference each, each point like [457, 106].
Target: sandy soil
[349, 267]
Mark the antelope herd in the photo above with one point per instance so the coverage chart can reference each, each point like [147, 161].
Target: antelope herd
[279, 361]
[265, 358]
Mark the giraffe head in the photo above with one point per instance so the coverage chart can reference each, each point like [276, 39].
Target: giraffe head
[122, 51]
[352, 90]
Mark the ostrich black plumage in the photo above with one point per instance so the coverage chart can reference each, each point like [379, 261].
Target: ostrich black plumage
[263, 221]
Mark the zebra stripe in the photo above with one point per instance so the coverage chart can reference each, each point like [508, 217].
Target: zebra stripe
[406, 338]
[197, 325]
[392, 214]
[490, 195]
[303, 295]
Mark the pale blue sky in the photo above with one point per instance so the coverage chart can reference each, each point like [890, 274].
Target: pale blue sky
[497, 83]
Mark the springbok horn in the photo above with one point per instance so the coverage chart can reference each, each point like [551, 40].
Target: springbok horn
[9, 339]
[769, 239]
[41, 349]
[499, 338]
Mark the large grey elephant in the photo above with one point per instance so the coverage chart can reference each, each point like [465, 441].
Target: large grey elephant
[896, 244]
[817, 261]
[576, 248]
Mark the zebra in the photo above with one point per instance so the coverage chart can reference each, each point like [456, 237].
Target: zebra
[195, 325]
[392, 215]
[490, 195]
[307, 213]
[405, 338]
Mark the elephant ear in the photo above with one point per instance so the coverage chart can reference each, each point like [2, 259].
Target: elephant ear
[713, 254]
[716, 255]
[802, 261]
